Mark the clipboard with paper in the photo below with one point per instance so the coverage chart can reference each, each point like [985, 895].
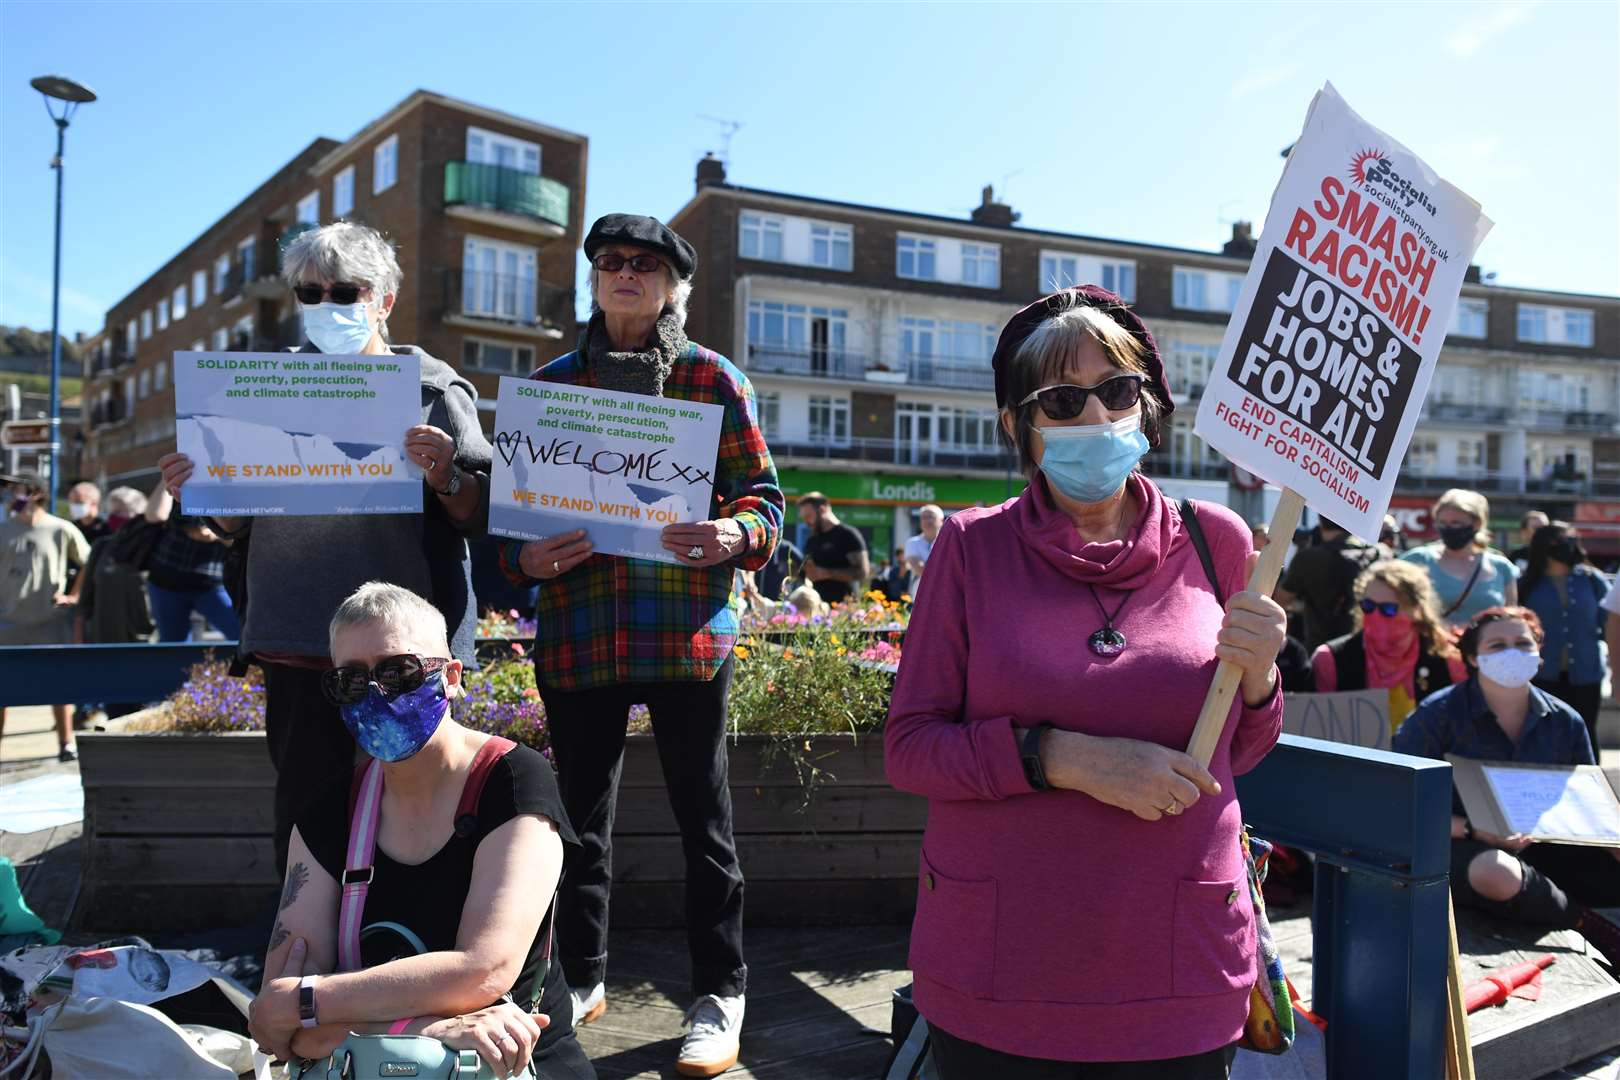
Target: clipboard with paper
[1554, 804]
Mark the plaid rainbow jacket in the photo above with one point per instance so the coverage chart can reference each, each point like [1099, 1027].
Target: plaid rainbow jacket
[614, 619]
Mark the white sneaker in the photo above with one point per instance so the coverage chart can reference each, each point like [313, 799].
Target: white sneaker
[710, 1048]
[590, 1006]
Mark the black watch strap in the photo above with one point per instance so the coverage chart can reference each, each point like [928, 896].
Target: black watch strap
[1030, 754]
[1468, 829]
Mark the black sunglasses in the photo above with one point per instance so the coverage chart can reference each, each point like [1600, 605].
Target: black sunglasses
[610, 263]
[394, 675]
[341, 293]
[1065, 400]
[1388, 609]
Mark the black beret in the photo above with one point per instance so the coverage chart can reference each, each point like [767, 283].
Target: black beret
[642, 231]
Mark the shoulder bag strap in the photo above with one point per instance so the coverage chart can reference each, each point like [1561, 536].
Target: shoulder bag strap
[1479, 565]
[1195, 533]
[364, 814]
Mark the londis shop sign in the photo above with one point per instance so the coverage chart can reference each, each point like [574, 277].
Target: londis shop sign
[899, 489]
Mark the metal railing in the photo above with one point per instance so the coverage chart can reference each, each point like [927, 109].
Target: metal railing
[512, 191]
[818, 363]
[890, 452]
[947, 371]
[513, 299]
[1455, 410]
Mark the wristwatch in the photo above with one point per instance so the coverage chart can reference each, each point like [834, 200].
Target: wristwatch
[1468, 829]
[306, 1002]
[1030, 754]
[450, 489]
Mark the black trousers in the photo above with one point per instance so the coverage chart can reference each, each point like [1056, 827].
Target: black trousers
[587, 739]
[309, 746]
[1584, 698]
[958, 1059]
[1559, 879]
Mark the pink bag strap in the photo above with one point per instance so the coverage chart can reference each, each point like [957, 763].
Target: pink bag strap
[365, 814]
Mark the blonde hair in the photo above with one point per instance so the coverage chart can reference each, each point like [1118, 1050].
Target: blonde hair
[806, 601]
[1471, 503]
[391, 605]
[1411, 583]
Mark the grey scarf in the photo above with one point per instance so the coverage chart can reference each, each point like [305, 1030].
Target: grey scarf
[640, 372]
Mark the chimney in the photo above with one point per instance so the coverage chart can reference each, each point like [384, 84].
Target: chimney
[991, 212]
[711, 170]
[1242, 243]
[1471, 275]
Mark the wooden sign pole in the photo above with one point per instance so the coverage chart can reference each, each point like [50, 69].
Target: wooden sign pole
[1459, 1051]
[1212, 718]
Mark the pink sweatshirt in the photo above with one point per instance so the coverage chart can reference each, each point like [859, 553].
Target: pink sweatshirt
[1050, 924]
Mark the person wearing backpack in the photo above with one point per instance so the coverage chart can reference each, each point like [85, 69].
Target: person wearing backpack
[1323, 579]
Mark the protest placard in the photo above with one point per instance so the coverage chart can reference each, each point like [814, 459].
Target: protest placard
[291, 433]
[620, 466]
[1558, 804]
[1356, 717]
[1330, 349]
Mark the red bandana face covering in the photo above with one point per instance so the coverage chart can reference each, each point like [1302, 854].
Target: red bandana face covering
[1389, 638]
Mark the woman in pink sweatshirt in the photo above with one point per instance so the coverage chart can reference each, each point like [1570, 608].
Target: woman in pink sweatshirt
[1082, 907]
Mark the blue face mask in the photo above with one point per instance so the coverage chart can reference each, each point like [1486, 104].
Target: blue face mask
[338, 329]
[398, 729]
[1090, 462]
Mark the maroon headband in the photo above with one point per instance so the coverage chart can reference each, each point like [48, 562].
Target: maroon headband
[1021, 325]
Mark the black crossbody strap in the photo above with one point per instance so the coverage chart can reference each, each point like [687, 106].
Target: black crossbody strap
[1195, 533]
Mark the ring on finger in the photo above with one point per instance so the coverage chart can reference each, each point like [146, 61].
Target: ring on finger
[556, 567]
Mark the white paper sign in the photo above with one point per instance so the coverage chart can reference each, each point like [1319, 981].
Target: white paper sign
[1336, 331]
[297, 433]
[620, 466]
[1542, 802]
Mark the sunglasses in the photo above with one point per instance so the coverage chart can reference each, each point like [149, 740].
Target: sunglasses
[1388, 609]
[394, 675]
[1065, 401]
[340, 293]
[612, 264]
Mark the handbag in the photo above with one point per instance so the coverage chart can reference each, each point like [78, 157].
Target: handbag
[1269, 1028]
[364, 1056]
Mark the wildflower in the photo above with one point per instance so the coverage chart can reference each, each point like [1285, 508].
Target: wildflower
[905, 598]
[532, 694]
[833, 638]
[517, 648]
[742, 652]
[787, 654]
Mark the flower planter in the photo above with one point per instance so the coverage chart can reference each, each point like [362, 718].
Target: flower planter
[874, 375]
[178, 834]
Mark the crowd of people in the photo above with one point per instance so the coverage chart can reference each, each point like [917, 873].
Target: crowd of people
[445, 883]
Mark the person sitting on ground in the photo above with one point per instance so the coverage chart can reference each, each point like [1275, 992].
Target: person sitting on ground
[1497, 715]
[455, 921]
[1399, 643]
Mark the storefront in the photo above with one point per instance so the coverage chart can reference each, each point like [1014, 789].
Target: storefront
[883, 505]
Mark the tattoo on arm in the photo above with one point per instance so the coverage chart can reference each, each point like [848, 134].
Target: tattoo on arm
[297, 878]
[277, 937]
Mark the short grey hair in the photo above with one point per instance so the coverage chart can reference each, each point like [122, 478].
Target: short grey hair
[343, 251]
[128, 501]
[679, 292]
[392, 605]
[82, 485]
[932, 508]
[1042, 357]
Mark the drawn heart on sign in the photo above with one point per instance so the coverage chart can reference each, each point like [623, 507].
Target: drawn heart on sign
[506, 444]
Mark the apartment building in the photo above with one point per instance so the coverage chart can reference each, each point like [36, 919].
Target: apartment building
[868, 331]
[484, 208]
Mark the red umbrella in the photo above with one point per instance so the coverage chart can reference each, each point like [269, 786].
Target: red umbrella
[1519, 980]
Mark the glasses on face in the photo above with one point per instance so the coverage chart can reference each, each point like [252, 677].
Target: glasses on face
[1389, 609]
[394, 675]
[340, 293]
[610, 263]
[1065, 400]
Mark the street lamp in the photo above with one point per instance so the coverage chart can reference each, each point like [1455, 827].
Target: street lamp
[72, 95]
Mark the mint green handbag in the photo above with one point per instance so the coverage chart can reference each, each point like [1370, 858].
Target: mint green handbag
[374, 1057]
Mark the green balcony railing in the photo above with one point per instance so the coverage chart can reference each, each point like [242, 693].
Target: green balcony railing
[468, 183]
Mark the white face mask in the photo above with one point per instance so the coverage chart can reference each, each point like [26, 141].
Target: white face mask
[338, 329]
[79, 511]
[1511, 668]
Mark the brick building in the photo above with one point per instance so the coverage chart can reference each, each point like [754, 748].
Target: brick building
[867, 332]
[484, 209]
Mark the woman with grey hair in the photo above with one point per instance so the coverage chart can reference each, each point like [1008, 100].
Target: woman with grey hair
[344, 278]
[1055, 667]
[615, 632]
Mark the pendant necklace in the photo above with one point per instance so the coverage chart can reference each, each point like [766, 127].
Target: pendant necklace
[1107, 641]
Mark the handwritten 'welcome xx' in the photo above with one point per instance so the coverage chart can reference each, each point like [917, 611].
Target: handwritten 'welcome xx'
[652, 466]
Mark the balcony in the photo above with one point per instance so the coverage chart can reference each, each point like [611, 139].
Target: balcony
[513, 302]
[1486, 480]
[890, 452]
[506, 197]
[1457, 411]
[1559, 420]
[810, 363]
[1160, 464]
[949, 372]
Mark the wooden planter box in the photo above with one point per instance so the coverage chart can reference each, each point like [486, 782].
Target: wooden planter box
[178, 834]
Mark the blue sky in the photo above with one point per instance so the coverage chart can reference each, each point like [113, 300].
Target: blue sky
[1152, 122]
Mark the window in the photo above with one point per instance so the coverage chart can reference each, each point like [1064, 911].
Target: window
[146, 324]
[498, 356]
[163, 314]
[160, 374]
[1061, 269]
[245, 252]
[1205, 290]
[1422, 456]
[179, 302]
[199, 287]
[222, 273]
[1190, 365]
[129, 338]
[129, 397]
[916, 257]
[1470, 457]
[385, 165]
[492, 148]
[761, 237]
[770, 413]
[343, 193]
[243, 334]
[145, 384]
[972, 430]
[498, 281]
[831, 246]
[981, 265]
[1555, 326]
[1469, 320]
[309, 209]
[222, 339]
[829, 421]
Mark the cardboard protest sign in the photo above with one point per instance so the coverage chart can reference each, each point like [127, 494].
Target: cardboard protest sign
[291, 433]
[620, 466]
[1356, 717]
[1329, 353]
[1558, 804]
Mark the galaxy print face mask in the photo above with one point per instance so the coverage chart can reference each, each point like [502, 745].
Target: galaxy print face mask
[397, 729]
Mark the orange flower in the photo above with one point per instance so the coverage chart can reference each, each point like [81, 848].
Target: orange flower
[742, 652]
[531, 693]
[787, 654]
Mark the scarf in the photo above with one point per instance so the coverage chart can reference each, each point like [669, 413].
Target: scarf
[638, 372]
[1116, 564]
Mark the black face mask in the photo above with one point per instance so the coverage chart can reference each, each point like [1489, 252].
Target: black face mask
[1456, 537]
[1568, 552]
